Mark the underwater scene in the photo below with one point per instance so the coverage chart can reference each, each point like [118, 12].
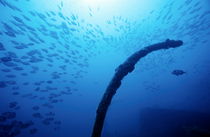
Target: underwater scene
[104, 68]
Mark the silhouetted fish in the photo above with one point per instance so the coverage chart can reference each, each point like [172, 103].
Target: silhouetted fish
[33, 131]
[1, 46]
[37, 115]
[35, 108]
[9, 115]
[6, 59]
[13, 104]
[178, 72]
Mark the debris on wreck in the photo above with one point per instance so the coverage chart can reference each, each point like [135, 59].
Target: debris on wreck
[127, 67]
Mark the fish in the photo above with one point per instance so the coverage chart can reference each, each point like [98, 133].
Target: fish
[47, 121]
[9, 115]
[2, 47]
[37, 115]
[6, 59]
[27, 124]
[13, 104]
[33, 130]
[178, 72]
[5, 70]
[35, 108]
[15, 93]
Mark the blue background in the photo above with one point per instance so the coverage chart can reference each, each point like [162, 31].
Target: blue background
[59, 56]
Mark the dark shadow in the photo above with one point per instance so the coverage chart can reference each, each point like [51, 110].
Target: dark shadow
[174, 123]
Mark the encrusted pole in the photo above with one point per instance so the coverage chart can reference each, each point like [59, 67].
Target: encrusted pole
[125, 68]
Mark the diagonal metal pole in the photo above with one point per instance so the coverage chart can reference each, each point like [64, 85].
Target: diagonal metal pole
[125, 68]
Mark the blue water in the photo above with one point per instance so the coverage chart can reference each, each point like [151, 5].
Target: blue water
[58, 56]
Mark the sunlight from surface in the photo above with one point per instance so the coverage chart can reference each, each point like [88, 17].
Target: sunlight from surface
[99, 2]
[130, 9]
